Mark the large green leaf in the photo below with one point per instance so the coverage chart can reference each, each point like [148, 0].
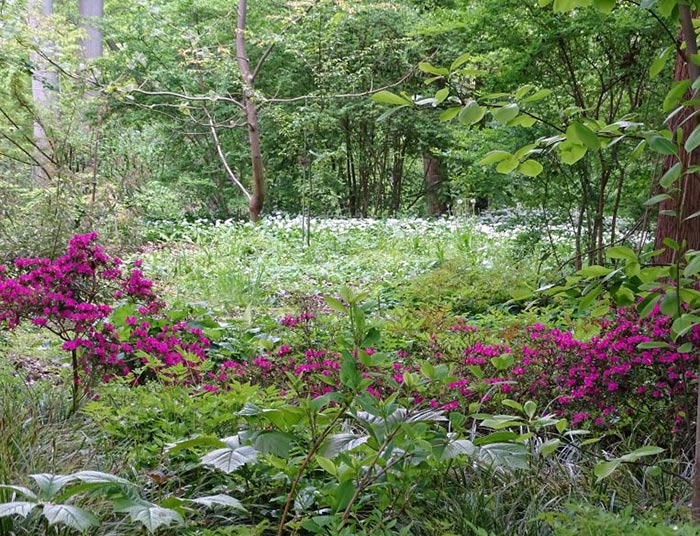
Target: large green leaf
[662, 145]
[571, 152]
[51, 484]
[585, 135]
[220, 500]
[675, 95]
[605, 469]
[493, 157]
[458, 447]
[232, 457]
[472, 113]
[530, 168]
[387, 97]
[152, 516]
[605, 6]
[506, 113]
[693, 140]
[17, 508]
[337, 443]
[71, 516]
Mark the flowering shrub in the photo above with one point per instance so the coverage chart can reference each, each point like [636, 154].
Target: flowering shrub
[74, 297]
[604, 383]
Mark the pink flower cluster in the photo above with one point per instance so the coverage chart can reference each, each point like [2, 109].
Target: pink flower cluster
[73, 297]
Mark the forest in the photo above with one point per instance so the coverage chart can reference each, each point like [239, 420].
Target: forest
[368, 267]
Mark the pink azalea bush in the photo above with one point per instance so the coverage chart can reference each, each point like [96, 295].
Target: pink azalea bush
[605, 383]
[75, 297]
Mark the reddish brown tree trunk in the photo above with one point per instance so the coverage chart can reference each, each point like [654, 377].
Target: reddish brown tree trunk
[685, 199]
[675, 215]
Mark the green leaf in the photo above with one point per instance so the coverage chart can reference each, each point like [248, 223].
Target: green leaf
[641, 452]
[220, 500]
[458, 447]
[674, 172]
[327, 465]
[17, 508]
[660, 61]
[530, 407]
[20, 489]
[604, 6]
[652, 344]
[387, 97]
[450, 113]
[571, 152]
[507, 166]
[194, 442]
[71, 516]
[152, 516]
[441, 95]
[530, 168]
[549, 446]
[657, 199]
[662, 145]
[349, 375]
[621, 252]
[471, 113]
[683, 324]
[343, 442]
[273, 442]
[335, 304]
[605, 469]
[426, 67]
[539, 95]
[675, 95]
[503, 361]
[693, 140]
[585, 135]
[493, 157]
[344, 494]
[506, 113]
[51, 484]
[232, 457]
[693, 267]
[522, 121]
[670, 304]
[594, 271]
[461, 60]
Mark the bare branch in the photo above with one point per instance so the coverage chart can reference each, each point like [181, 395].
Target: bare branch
[183, 96]
[222, 156]
[370, 91]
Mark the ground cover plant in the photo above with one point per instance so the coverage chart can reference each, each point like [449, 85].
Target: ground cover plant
[348, 411]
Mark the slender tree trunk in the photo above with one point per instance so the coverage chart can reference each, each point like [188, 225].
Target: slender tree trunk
[44, 90]
[434, 178]
[257, 197]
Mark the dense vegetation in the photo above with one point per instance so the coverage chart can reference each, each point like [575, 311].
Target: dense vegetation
[327, 267]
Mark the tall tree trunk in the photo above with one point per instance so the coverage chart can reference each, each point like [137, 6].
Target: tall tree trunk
[434, 177]
[44, 90]
[251, 111]
[685, 200]
[91, 12]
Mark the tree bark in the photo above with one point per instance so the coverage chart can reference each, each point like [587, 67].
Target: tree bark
[685, 199]
[44, 90]
[434, 178]
[91, 11]
[257, 196]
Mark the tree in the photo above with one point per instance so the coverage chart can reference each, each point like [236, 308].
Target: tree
[44, 88]
[257, 197]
